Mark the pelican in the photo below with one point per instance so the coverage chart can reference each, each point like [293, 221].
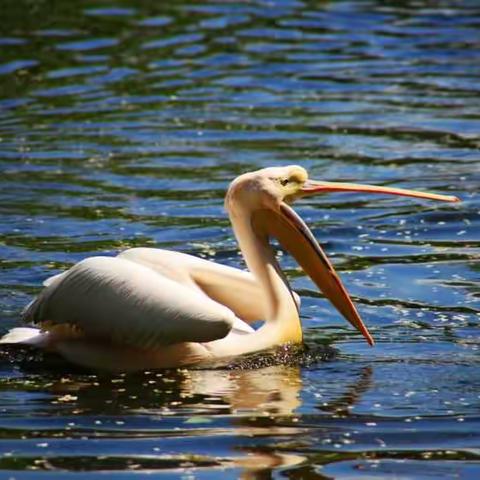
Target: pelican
[151, 308]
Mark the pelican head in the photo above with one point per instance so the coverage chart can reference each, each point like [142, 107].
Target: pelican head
[264, 197]
[266, 188]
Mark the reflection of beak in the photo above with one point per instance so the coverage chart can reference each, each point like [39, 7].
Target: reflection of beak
[297, 238]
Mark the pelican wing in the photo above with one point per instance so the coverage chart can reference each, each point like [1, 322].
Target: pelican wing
[236, 289]
[127, 303]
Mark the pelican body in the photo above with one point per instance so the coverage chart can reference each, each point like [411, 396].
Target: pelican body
[150, 308]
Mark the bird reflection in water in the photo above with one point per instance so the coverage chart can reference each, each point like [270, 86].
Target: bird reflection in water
[258, 407]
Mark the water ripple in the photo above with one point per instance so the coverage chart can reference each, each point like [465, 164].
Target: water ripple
[121, 125]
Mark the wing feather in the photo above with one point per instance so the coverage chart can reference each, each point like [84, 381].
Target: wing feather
[53, 278]
[236, 289]
[128, 303]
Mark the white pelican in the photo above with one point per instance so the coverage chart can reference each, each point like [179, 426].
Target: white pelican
[152, 308]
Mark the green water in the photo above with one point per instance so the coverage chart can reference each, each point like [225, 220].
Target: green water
[121, 125]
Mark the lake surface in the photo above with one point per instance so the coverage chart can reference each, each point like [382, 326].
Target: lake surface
[121, 125]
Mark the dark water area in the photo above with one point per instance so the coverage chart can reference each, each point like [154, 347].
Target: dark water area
[121, 125]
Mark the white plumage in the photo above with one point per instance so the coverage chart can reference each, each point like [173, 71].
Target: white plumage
[128, 303]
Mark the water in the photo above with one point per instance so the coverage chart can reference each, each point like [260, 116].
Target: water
[121, 125]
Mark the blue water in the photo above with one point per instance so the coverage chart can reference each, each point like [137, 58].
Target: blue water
[121, 125]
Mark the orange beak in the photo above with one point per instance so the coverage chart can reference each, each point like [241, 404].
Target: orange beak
[312, 187]
[297, 238]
